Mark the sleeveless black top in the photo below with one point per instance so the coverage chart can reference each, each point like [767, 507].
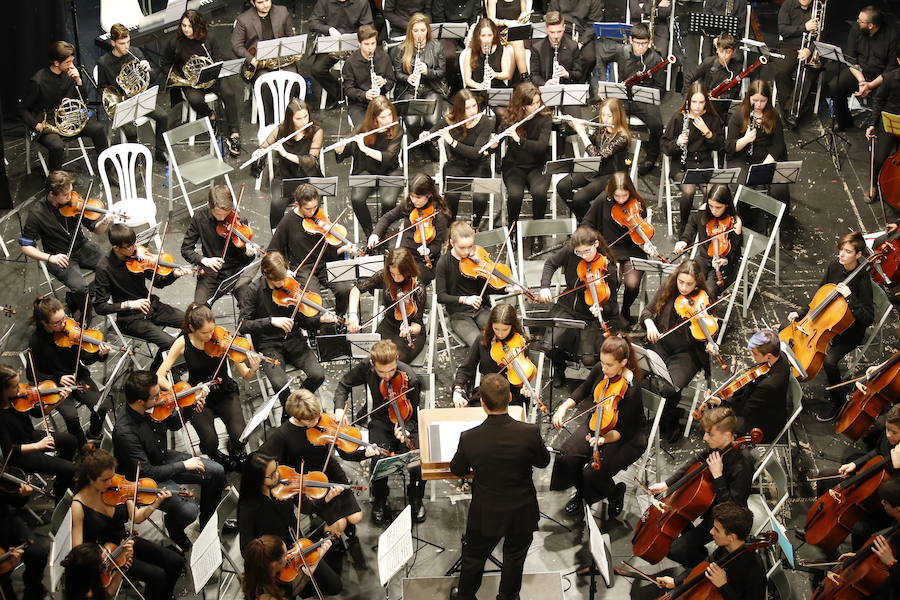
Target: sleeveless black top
[99, 528]
[495, 59]
[202, 366]
[288, 169]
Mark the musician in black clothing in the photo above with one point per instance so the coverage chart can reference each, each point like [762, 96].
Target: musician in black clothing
[108, 69]
[382, 367]
[858, 294]
[559, 46]
[579, 17]
[45, 93]
[731, 471]
[13, 532]
[216, 268]
[333, 18]
[795, 18]
[453, 11]
[718, 69]
[116, 290]
[359, 88]
[741, 578]
[640, 13]
[45, 223]
[886, 99]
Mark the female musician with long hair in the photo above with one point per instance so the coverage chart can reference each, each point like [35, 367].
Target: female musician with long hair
[298, 156]
[223, 400]
[694, 132]
[420, 68]
[722, 269]
[374, 154]
[486, 46]
[611, 144]
[81, 579]
[93, 520]
[264, 558]
[619, 190]
[462, 146]
[399, 276]
[423, 197]
[619, 447]
[684, 355]
[509, 13]
[191, 40]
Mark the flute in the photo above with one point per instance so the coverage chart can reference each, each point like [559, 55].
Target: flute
[358, 136]
[260, 152]
[427, 137]
[497, 137]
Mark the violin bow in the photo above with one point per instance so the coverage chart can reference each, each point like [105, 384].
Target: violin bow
[231, 337]
[306, 285]
[84, 316]
[309, 571]
[411, 225]
[632, 571]
[703, 241]
[392, 305]
[108, 556]
[162, 242]
[78, 224]
[40, 402]
[177, 409]
[234, 219]
[134, 506]
[333, 443]
[487, 278]
[843, 383]
[321, 240]
[692, 315]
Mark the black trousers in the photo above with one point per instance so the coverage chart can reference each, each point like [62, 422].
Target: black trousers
[651, 117]
[579, 190]
[158, 567]
[56, 146]
[226, 405]
[60, 466]
[406, 353]
[479, 201]
[87, 257]
[181, 512]
[387, 198]
[229, 94]
[13, 532]
[381, 432]
[321, 72]
[839, 84]
[517, 179]
[476, 550]
[150, 328]
[683, 366]
[208, 284]
[689, 549]
[69, 411]
[295, 351]
[840, 347]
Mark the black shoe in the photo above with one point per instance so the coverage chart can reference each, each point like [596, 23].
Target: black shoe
[256, 168]
[646, 166]
[234, 145]
[379, 511]
[790, 122]
[331, 104]
[617, 502]
[418, 510]
[673, 435]
[843, 125]
[574, 506]
[237, 458]
[223, 459]
[454, 593]
[826, 414]
[537, 245]
[161, 157]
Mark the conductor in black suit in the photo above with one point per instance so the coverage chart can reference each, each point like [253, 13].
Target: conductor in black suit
[501, 452]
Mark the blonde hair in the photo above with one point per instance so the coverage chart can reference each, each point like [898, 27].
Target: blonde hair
[383, 352]
[303, 405]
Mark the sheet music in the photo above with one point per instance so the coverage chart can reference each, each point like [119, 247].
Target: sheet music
[395, 546]
[62, 544]
[443, 438]
[206, 554]
[599, 544]
[262, 414]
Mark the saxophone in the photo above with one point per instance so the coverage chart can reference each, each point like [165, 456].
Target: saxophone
[372, 74]
[685, 129]
[248, 70]
[415, 69]
[131, 80]
[488, 70]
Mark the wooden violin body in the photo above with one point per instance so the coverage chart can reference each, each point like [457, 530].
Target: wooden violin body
[241, 234]
[315, 484]
[237, 348]
[120, 490]
[887, 256]
[882, 391]
[181, 395]
[94, 208]
[498, 275]
[303, 553]
[46, 393]
[728, 389]
[163, 263]
[335, 233]
[349, 439]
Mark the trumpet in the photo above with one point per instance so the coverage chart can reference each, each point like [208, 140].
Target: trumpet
[372, 75]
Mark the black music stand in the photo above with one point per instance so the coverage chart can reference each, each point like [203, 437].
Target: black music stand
[349, 347]
[774, 172]
[497, 96]
[827, 139]
[712, 25]
[587, 165]
[325, 186]
[449, 31]
[551, 323]
[714, 176]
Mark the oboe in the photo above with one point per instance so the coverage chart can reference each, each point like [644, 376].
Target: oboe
[488, 70]
[375, 86]
[685, 130]
[754, 124]
[415, 71]
[554, 68]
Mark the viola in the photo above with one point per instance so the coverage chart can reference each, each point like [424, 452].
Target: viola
[424, 233]
[291, 293]
[335, 233]
[181, 395]
[6, 562]
[303, 553]
[738, 381]
[887, 261]
[498, 275]
[596, 290]
[114, 559]
[607, 395]
[349, 439]
[630, 216]
[407, 307]
[685, 500]
[400, 409]
[238, 349]
[859, 576]
[703, 325]
[94, 208]
[882, 391]
[241, 234]
[121, 490]
[510, 355]
[719, 244]
[90, 340]
[163, 264]
[315, 484]
[46, 393]
[831, 517]
[889, 180]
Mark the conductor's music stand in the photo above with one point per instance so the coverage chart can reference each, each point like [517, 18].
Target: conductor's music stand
[827, 138]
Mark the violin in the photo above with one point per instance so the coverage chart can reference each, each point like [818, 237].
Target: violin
[685, 500]
[114, 559]
[607, 395]
[829, 316]
[719, 244]
[703, 325]
[310, 302]
[738, 381]
[510, 355]
[697, 586]
[630, 216]
[882, 391]
[315, 484]
[90, 340]
[498, 275]
[859, 576]
[120, 490]
[349, 439]
[241, 234]
[596, 290]
[238, 349]
[304, 553]
[400, 409]
[46, 392]
[94, 208]
[335, 233]
[424, 233]
[145, 260]
[181, 395]
[887, 259]
[406, 308]
[831, 517]
[6, 562]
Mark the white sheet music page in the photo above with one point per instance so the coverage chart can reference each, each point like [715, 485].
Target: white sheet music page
[206, 554]
[395, 546]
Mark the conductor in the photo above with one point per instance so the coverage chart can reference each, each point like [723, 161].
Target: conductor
[501, 452]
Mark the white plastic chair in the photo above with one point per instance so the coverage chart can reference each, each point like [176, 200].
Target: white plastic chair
[137, 204]
[280, 86]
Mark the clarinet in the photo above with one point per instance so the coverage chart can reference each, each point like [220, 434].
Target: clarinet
[754, 124]
[488, 70]
[685, 129]
[415, 68]
[372, 75]
[554, 67]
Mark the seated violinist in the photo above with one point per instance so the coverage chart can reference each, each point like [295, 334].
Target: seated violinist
[266, 558]
[502, 336]
[763, 402]
[387, 378]
[731, 472]
[14, 532]
[119, 290]
[278, 330]
[614, 386]
[742, 577]
[84, 568]
[47, 222]
[203, 228]
[297, 441]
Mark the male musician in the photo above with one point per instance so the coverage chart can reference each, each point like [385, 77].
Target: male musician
[886, 99]
[579, 17]
[858, 294]
[66, 250]
[138, 440]
[234, 267]
[139, 312]
[640, 13]
[14, 531]
[795, 18]
[871, 47]
[108, 68]
[762, 403]
[637, 57]
[717, 69]
[743, 577]
[727, 8]
[358, 70]
[279, 331]
[333, 18]
[43, 95]
[381, 368]
[501, 451]
[566, 53]
[731, 472]
[398, 13]
[298, 245]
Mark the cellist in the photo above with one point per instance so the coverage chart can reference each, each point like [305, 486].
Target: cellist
[619, 447]
[743, 578]
[858, 293]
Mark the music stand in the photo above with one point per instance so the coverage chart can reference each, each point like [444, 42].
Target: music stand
[279, 47]
[571, 94]
[345, 42]
[656, 267]
[774, 172]
[220, 70]
[613, 31]
[712, 25]
[377, 181]
[518, 32]
[715, 176]
[474, 185]
[498, 96]
[261, 416]
[827, 138]
[107, 388]
[645, 95]
[611, 89]
[325, 186]
[353, 269]
[590, 164]
[132, 109]
[349, 347]
[5, 338]
[415, 106]
[174, 10]
[449, 31]
[227, 284]
[651, 362]
[891, 123]
[545, 323]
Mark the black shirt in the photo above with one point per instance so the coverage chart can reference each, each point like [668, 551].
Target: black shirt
[479, 357]
[257, 312]
[451, 11]
[407, 238]
[599, 216]
[52, 361]
[376, 282]
[398, 12]
[42, 94]
[696, 228]
[466, 157]
[765, 143]
[632, 420]
[763, 402]
[202, 228]
[886, 98]
[100, 528]
[263, 515]
[717, 7]
[699, 149]
[109, 66]
[114, 284]
[734, 484]
[567, 55]
[629, 64]
[139, 440]
[308, 165]
[47, 224]
[711, 73]
[16, 429]
[746, 575]
[451, 285]
[567, 260]
[295, 243]
[363, 373]
[344, 15]
[363, 164]
[357, 74]
[495, 60]
[792, 20]
[533, 148]
[681, 339]
[581, 14]
[875, 54]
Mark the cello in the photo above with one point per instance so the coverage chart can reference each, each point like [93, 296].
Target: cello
[887, 259]
[882, 390]
[889, 180]
[685, 500]
[860, 575]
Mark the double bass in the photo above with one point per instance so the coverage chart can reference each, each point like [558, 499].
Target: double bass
[882, 391]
